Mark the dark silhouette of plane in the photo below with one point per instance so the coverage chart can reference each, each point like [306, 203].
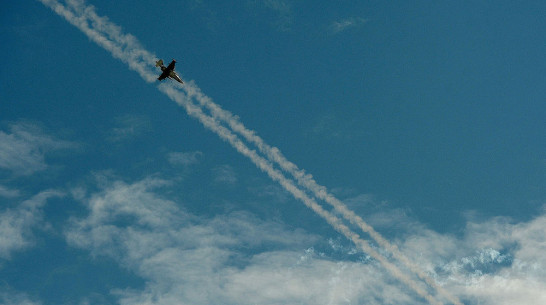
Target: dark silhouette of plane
[168, 71]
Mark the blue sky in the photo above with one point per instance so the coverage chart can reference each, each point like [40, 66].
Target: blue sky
[422, 120]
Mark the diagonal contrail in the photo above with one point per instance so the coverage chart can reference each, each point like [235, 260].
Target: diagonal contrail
[126, 48]
[289, 186]
[306, 180]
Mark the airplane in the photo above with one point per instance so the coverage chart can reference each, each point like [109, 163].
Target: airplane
[168, 71]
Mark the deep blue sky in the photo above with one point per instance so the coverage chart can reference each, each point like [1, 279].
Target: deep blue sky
[425, 118]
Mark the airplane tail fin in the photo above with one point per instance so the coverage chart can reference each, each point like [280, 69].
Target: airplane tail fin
[159, 63]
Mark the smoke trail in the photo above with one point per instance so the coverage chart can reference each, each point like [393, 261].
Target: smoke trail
[107, 35]
[266, 166]
[126, 48]
[307, 181]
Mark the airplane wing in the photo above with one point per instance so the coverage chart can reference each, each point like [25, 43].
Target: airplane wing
[164, 75]
[171, 65]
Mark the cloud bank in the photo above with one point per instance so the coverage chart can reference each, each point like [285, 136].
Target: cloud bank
[237, 258]
[229, 259]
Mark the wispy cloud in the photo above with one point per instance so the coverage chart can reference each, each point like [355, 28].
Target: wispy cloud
[16, 224]
[233, 258]
[345, 24]
[269, 191]
[184, 158]
[225, 175]
[10, 297]
[8, 193]
[283, 15]
[332, 127]
[495, 262]
[23, 149]
[237, 258]
[129, 126]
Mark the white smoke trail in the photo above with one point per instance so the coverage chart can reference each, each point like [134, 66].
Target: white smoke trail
[107, 35]
[126, 48]
[289, 186]
[307, 181]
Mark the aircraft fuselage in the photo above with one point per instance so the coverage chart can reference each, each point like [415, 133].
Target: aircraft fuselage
[175, 76]
[168, 71]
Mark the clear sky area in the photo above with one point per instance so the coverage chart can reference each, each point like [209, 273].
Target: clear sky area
[318, 152]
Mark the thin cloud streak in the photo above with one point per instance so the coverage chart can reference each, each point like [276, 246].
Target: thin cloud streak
[128, 50]
[340, 26]
[23, 151]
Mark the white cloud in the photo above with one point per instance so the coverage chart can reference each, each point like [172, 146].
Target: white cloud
[237, 258]
[9, 297]
[7, 192]
[23, 150]
[229, 259]
[348, 23]
[204, 276]
[16, 224]
[184, 158]
[282, 10]
[495, 262]
[129, 126]
[225, 175]
[331, 127]
[272, 191]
